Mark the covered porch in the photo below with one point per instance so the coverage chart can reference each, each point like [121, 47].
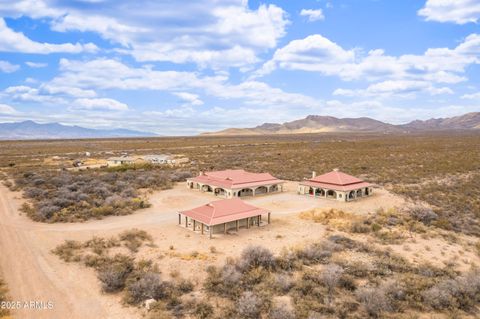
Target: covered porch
[223, 216]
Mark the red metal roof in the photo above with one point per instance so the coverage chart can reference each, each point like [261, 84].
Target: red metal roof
[336, 180]
[235, 178]
[223, 211]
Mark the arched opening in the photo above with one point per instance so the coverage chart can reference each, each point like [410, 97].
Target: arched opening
[359, 193]
[319, 192]
[207, 188]
[191, 185]
[245, 192]
[273, 188]
[261, 190]
[331, 194]
[219, 192]
[367, 192]
[311, 191]
[351, 195]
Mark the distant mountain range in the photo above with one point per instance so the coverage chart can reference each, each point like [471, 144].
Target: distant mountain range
[32, 130]
[319, 124]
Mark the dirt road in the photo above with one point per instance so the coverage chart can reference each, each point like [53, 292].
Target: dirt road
[34, 274]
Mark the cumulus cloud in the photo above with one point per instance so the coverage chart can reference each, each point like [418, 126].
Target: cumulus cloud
[36, 65]
[6, 109]
[112, 74]
[11, 41]
[216, 33]
[29, 94]
[101, 104]
[473, 96]
[397, 75]
[456, 11]
[8, 67]
[401, 88]
[189, 98]
[313, 53]
[67, 90]
[313, 14]
[316, 53]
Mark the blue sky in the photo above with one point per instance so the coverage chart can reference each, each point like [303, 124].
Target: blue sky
[185, 67]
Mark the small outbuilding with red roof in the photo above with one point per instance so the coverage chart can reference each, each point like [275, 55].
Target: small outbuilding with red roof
[222, 215]
[335, 185]
[232, 183]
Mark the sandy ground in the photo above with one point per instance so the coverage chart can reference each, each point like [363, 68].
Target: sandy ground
[33, 273]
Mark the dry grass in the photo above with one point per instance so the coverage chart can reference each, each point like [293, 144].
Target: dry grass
[3, 298]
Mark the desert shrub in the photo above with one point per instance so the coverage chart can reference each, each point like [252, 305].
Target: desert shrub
[281, 312]
[423, 214]
[384, 298]
[146, 286]
[134, 238]
[185, 286]
[289, 260]
[283, 282]
[223, 281]
[3, 297]
[249, 305]
[64, 196]
[114, 273]
[67, 250]
[256, 256]
[203, 310]
[330, 276]
[315, 253]
[462, 292]
[374, 300]
[360, 227]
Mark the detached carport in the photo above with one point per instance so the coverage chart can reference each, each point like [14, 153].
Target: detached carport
[222, 215]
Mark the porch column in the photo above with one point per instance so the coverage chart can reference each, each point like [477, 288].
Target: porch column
[202, 228]
[258, 220]
[210, 230]
[253, 191]
[179, 219]
[186, 221]
[268, 220]
[194, 225]
[236, 225]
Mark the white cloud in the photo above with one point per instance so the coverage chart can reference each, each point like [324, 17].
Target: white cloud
[29, 94]
[192, 99]
[36, 64]
[403, 75]
[7, 109]
[313, 14]
[457, 11]
[216, 33]
[100, 103]
[11, 41]
[400, 88]
[7, 67]
[473, 96]
[316, 53]
[112, 74]
[67, 90]
[313, 53]
[232, 57]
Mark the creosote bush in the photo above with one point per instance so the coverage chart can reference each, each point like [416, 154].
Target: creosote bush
[114, 272]
[78, 196]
